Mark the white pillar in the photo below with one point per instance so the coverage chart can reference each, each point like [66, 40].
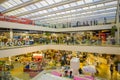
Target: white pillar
[11, 34]
[10, 60]
[117, 23]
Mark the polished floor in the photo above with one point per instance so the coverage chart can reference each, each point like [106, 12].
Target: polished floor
[103, 72]
[18, 72]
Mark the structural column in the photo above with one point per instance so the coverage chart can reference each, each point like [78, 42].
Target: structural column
[117, 22]
[11, 34]
[10, 60]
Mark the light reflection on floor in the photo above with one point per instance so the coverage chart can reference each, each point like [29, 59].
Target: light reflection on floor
[103, 69]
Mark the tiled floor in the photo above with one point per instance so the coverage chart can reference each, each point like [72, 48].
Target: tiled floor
[102, 68]
[104, 72]
[18, 72]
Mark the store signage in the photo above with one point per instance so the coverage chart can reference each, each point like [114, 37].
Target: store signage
[37, 54]
[15, 19]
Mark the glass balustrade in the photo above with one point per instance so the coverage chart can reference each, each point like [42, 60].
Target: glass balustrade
[78, 38]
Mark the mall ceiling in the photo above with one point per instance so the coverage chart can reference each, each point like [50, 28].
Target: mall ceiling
[59, 11]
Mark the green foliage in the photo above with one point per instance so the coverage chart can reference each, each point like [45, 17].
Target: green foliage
[47, 34]
[116, 62]
[113, 30]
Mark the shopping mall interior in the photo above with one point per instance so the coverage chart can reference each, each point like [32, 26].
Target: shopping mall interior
[59, 39]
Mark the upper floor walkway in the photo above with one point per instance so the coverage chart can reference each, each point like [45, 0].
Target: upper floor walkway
[12, 51]
[11, 25]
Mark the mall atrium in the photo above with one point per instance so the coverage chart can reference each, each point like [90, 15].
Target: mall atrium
[59, 39]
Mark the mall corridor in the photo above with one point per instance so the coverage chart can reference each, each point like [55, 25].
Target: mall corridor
[103, 72]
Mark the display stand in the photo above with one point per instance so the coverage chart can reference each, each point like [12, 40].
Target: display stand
[75, 65]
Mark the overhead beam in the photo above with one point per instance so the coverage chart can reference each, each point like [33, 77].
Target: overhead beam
[20, 6]
[48, 7]
[71, 8]
[88, 10]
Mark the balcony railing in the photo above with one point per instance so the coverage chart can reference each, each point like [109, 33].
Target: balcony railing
[15, 19]
[85, 42]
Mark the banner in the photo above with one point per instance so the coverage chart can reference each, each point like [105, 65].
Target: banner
[16, 19]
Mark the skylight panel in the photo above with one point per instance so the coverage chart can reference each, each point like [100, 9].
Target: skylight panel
[12, 2]
[89, 12]
[99, 10]
[18, 1]
[85, 8]
[80, 9]
[26, 16]
[111, 3]
[33, 14]
[73, 10]
[40, 12]
[44, 11]
[25, 0]
[53, 14]
[16, 12]
[33, 6]
[12, 13]
[49, 15]
[111, 8]
[44, 3]
[50, 10]
[38, 5]
[45, 16]
[57, 1]
[67, 11]
[1, 9]
[73, 4]
[100, 5]
[28, 8]
[88, 1]
[19, 10]
[55, 9]
[36, 13]
[66, 6]
[63, 13]
[81, 2]
[92, 7]
[50, 1]
[8, 4]
[96, 0]
[24, 9]
[30, 15]
[5, 6]
[58, 13]
[60, 7]
[73, 14]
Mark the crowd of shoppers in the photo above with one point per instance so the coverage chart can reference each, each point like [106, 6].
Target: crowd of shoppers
[59, 38]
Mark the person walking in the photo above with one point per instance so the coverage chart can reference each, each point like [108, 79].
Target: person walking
[111, 70]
